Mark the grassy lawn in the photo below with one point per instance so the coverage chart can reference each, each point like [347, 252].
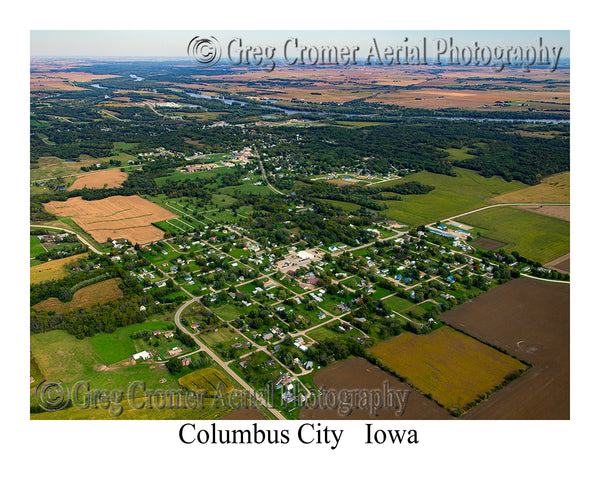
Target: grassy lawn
[117, 346]
[538, 237]
[222, 335]
[35, 247]
[398, 304]
[325, 333]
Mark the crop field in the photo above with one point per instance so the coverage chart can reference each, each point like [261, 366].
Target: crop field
[52, 270]
[452, 195]
[52, 167]
[453, 368]
[538, 237]
[100, 292]
[109, 178]
[486, 243]
[556, 211]
[115, 217]
[531, 320]
[209, 380]
[358, 374]
[553, 189]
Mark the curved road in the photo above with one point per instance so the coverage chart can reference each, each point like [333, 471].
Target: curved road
[222, 364]
[267, 182]
[81, 239]
[504, 205]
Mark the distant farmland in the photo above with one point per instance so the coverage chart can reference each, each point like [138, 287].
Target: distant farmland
[453, 368]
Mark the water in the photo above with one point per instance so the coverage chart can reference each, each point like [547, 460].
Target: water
[96, 85]
[136, 78]
[289, 111]
[227, 101]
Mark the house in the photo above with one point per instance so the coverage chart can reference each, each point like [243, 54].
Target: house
[169, 334]
[267, 336]
[141, 355]
[142, 308]
[186, 361]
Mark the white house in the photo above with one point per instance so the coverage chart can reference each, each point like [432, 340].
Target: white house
[143, 355]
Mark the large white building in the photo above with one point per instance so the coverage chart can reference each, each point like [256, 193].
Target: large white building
[142, 355]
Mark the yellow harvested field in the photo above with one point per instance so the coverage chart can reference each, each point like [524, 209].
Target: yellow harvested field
[52, 270]
[554, 189]
[556, 211]
[100, 292]
[454, 368]
[115, 217]
[109, 178]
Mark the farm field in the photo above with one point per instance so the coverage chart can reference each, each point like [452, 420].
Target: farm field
[357, 373]
[538, 237]
[52, 167]
[529, 319]
[556, 211]
[553, 189]
[452, 367]
[52, 270]
[452, 195]
[100, 292]
[109, 178]
[114, 217]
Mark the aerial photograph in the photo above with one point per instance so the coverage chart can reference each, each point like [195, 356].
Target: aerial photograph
[299, 225]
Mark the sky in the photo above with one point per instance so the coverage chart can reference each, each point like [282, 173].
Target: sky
[167, 43]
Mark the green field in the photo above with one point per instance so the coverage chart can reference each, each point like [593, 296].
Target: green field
[35, 247]
[117, 346]
[398, 304]
[537, 237]
[325, 333]
[452, 195]
[60, 356]
[458, 153]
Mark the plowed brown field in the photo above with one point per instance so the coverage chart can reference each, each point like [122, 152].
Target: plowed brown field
[115, 217]
[109, 178]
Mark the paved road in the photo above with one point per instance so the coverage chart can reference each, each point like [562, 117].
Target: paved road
[267, 182]
[81, 239]
[220, 362]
